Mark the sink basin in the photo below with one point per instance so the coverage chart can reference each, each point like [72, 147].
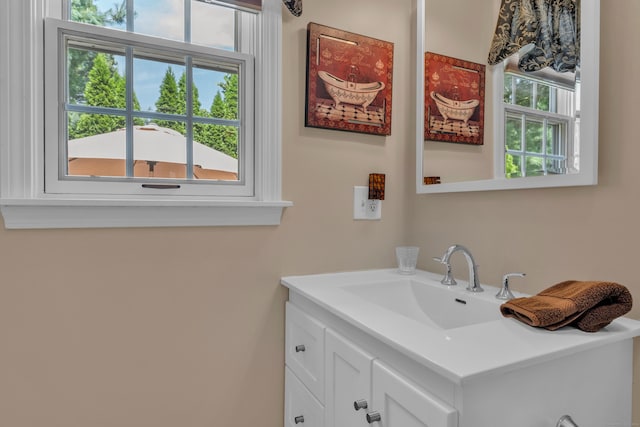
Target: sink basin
[430, 303]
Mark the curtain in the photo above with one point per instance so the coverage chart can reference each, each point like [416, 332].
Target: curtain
[546, 33]
[294, 6]
[251, 4]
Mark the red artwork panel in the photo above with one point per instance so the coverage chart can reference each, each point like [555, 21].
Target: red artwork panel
[349, 81]
[453, 100]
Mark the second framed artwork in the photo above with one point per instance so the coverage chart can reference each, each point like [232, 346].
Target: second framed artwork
[453, 100]
[349, 81]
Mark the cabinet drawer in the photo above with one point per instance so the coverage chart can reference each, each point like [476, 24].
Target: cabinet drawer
[301, 409]
[400, 403]
[304, 354]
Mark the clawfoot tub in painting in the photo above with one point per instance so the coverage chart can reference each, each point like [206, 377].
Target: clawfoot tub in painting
[452, 109]
[350, 92]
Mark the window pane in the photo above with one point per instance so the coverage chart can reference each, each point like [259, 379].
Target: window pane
[543, 100]
[554, 139]
[215, 93]
[524, 92]
[513, 134]
[215, 154]
[160, 151]
[213, 25]
[101, 148]
[534, 130]
[159, 86]
[95, 77]
[512, 166]
[508, 88]
[534, 166]
[99, 12]
[161, 18]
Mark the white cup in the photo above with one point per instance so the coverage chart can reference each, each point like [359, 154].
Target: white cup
[407, 257]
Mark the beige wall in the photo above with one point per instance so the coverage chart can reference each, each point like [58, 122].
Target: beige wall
[184, 327]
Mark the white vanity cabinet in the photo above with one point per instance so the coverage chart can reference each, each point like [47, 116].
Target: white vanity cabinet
[359, 389]
[345, 349]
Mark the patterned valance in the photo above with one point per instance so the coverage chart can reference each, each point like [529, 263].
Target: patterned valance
[294, 6]
[250, 4]
[548, 30]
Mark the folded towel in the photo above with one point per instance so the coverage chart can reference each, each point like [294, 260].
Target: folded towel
[590, 306]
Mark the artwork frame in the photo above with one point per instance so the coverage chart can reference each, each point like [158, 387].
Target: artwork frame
[454, 97]
[349, 81]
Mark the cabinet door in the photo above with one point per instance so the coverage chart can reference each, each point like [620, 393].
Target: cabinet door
[347, 380]
[301, 409]
[399, 403]
[304, 352]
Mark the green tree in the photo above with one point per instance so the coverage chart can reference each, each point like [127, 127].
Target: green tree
[229, 86]
[218, 135]
[169, 101]
[102, 90]
[80, 61]
[105, 88]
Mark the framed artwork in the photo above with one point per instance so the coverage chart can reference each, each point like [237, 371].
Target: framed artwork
[349, 81]
[453, 100]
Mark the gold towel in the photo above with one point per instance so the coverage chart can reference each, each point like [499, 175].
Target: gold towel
[590, 306]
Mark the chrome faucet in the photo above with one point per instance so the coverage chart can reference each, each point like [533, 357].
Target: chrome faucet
[474, 282]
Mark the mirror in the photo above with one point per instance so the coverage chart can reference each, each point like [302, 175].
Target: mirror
[463, 29]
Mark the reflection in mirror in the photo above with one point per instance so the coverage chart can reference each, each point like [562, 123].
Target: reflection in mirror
[540, 128]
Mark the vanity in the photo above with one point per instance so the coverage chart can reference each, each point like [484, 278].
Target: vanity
[389, 350]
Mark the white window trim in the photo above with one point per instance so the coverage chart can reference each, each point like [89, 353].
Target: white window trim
[23, 202]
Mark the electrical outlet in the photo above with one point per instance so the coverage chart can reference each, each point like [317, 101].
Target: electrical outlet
[363, 208]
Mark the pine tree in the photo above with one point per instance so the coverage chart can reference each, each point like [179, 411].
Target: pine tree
[229, 87]
[229, 138]
[169, 101]
[101, 91]
[217, 136]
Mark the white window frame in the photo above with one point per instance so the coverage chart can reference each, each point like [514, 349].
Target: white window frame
[564, 104]
[23, 201]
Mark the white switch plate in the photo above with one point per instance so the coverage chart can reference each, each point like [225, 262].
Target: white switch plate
[363, 208]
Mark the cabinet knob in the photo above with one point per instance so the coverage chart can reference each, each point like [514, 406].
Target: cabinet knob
[300, 348]
[372, 417]
[299, 419]
[360, 404]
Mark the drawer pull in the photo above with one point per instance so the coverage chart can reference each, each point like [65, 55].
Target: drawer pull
[299, 419]
[300, 348]
[372, 417]
[360, 404]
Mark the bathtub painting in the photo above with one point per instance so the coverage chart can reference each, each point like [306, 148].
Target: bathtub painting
[349, 81]
[454, 109]
[350, 92]
[453, 100]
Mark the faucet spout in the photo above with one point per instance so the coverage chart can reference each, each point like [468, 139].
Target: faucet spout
[474, 282]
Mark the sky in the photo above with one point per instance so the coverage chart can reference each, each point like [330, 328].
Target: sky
[211, 25]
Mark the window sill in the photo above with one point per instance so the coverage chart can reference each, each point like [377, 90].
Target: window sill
[57, 213]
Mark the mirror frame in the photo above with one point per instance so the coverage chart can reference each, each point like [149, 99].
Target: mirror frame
[589, 111]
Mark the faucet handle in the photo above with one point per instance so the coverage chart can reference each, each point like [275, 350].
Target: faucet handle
[505, 292]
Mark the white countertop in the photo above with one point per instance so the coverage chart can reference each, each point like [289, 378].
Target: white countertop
[458, 354]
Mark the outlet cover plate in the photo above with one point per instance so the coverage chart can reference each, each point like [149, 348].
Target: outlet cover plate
[363, 208]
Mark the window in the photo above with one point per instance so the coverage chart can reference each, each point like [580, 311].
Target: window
[540, 118]
[157, 113]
